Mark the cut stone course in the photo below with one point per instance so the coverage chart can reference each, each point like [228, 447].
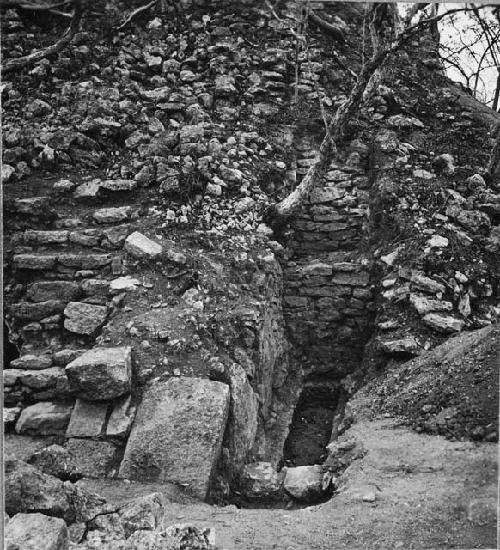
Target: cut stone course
[40, 379]
[113, 214]
[101, 373]
[27, 311]
[177, 434]
[43, 291]
[34, 261]
[32, 362]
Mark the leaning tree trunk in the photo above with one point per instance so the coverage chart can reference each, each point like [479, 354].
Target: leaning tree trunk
[383, 47]
[338, 126]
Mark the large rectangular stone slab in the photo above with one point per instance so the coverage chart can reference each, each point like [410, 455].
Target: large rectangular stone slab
[101, 374]
[177, 434]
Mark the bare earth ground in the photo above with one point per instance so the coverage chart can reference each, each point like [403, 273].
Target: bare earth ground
[423, 484]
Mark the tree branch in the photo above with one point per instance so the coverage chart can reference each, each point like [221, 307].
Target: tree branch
[12, 65]
[335, 32]
[338, 125]
[135, 13]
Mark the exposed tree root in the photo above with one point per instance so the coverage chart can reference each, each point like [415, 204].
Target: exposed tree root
[12, 65]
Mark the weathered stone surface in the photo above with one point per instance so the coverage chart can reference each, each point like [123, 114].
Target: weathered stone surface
[113, 214]
[55, 460]
[178, 432]
[92, 458]
[45, 237]
[87, 419]
[101, 374]
[443, 323]
[29, 490]
[36, 532]
[10, 415]
[140, 246]
[123, 284]
[243, 416]
[121, 418]
[473, 220]
[118, 185]
[92, 287]
[482, 511]
[407, 345]
[44, 418]
[34, 261]
[43, 291]
[304, 482]
[26, 311]
[87, 191]
[425, 305]
[142, 513]
[84, 318]
[65, 356]
[32, 362]
[260, 480]
[10, 376]
[351, 279]
[40, 379]
[419, 280]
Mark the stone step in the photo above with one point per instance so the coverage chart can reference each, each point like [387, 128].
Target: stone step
[110, 238]
[63, 262]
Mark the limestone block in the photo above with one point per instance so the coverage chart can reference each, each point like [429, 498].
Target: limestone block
[101, 374]
[177, 434]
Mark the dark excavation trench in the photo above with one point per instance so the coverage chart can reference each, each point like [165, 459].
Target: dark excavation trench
[311, 428]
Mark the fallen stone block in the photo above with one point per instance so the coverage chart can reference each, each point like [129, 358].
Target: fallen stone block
[44, 418]
[101, 374]
[36, 532]
[29, 490]
[140, 246]
[304, 482]
[443, 323]
[260, 480]
[177, 434]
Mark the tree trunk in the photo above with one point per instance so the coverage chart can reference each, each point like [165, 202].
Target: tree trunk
[497, 93]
